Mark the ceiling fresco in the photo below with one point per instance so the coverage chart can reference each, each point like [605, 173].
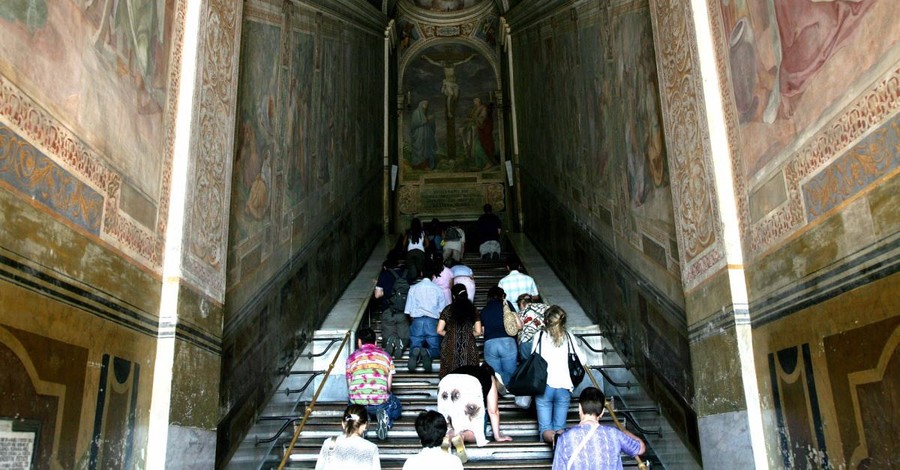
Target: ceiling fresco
[447, 5]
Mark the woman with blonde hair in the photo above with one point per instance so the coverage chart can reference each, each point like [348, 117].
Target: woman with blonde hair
[350, 449]
[554, 344]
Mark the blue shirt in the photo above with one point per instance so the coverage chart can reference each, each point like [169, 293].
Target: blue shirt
[425, 299]
[603, 450]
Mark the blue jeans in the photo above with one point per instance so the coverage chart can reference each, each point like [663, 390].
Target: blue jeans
[392, 406]
[525, 349]
[552, 408]
[424, 329]
[500, 353]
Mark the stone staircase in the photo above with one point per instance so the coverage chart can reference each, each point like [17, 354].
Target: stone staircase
[416, 390]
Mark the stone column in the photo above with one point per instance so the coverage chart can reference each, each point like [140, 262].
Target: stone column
[708, 228]
[185, 397]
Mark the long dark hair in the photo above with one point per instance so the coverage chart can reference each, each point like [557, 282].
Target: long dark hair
[415, 230]
[462, 310]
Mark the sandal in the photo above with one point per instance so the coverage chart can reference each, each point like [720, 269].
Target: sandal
[457, 442]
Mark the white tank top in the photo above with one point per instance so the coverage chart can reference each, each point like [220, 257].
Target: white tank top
[420, 245]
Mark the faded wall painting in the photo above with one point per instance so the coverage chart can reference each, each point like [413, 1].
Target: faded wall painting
[791, 63]
[594, 164]
[606, 139]
[258, 120]
[114, 56]
[299, 99]
[450, 115]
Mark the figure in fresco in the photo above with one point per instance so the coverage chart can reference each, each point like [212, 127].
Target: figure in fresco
[424, 146]
[478, 136]
[31, 12]
[777, 47]
[449, 87]
[130, 32]
[254, 173]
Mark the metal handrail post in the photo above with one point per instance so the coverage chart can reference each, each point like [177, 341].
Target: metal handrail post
[312, 403]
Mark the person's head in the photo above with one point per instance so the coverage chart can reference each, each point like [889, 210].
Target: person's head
[524, 300]
[423, 105]
[591, 401]
[464, 311]
[389, 263]
[496, 293]
[435, 226]
[366, 335]
[477, 101]
[428, 271]
[459, 291]
[355, 419]
[555, 323]
[488, 209]
[513, 263]
[415, 225]
[431, 427]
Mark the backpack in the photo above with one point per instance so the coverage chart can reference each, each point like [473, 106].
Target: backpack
[397, 301]
[452, 234]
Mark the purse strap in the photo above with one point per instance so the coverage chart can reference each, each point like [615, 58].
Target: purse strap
[581, 445]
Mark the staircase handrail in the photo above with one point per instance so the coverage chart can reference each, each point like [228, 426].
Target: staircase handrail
[641, 464]
[312, 403]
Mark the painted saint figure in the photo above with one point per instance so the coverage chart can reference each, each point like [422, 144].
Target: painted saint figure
[422, 134]
[478, 136]
[449, 87]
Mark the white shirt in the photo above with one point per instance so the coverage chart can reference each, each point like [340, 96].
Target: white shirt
[557, 358]
[433, 458]
[455, 244]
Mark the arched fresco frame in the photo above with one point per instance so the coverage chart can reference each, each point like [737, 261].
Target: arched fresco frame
[461, 193]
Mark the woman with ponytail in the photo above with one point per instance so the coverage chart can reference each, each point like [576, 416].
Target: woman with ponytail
[459, 324]
[350, 449]
[553, 343]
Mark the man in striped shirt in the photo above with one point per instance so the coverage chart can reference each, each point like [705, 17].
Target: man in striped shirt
[370, 371]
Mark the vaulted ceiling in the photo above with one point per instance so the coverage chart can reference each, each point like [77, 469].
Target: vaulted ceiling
[448, 6]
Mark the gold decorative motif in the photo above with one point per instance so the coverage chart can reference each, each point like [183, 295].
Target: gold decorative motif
[687, 140]
[206, 229]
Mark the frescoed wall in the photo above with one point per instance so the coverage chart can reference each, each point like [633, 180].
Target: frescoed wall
[811, 90]
[87, 118]
[306, 205]
[597, 198]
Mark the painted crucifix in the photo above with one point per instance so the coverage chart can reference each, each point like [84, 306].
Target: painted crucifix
[448, 61]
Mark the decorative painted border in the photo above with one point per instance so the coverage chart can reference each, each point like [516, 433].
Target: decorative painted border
[687, 140]
[206, 229]
[852, 172]
[31, 173]
[870, 109]
[34, 124]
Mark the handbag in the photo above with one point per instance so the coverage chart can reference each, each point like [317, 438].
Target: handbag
[576, 369]
[510, 320]
[530, 378]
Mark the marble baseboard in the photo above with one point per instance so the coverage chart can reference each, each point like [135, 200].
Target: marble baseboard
[725, 440]
[190, 448]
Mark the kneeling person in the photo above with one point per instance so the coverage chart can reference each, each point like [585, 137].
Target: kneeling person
[370, 372]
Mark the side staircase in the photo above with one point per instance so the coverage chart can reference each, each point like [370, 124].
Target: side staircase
[267, 442]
